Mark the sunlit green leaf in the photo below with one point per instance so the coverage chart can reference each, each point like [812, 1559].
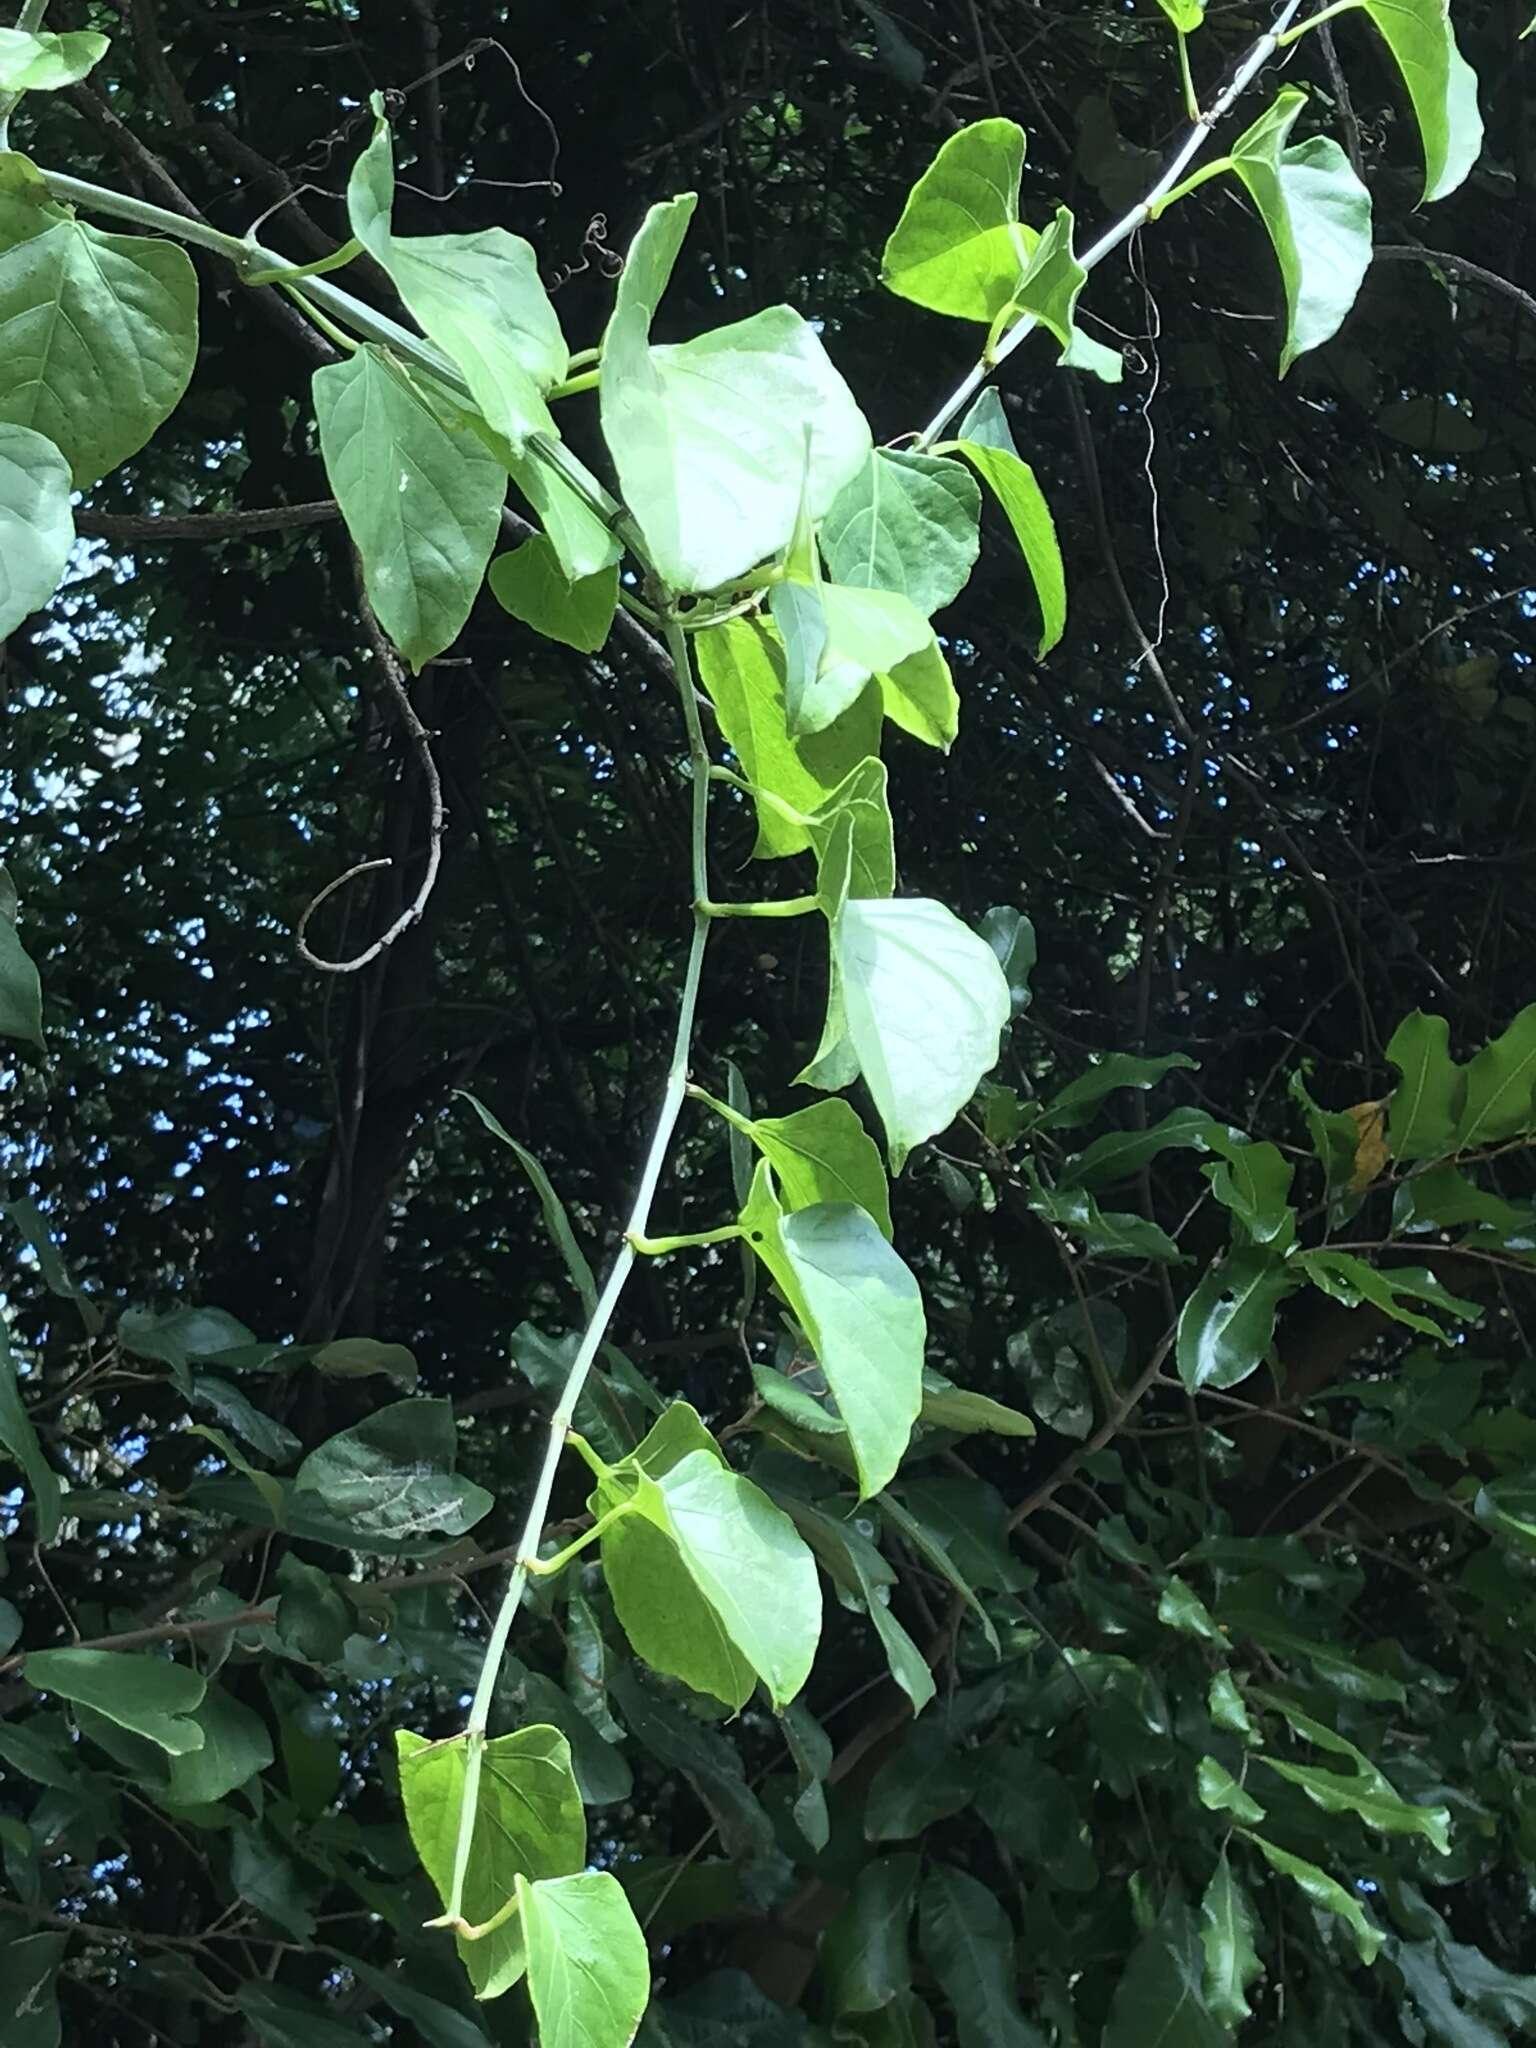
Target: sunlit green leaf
[906, 523]
[478, 296]
[1319, 219]
[986, 443]
[708, 435]
[741, 665]
[1441, 85]
[37, 525]
[925, 1004]
[45, 62]
[958, 247]
[819, 1154]
[861, 1309]
[528, 1823]
[710, 1580]
[420, 494]
[98, 335]
[588, 1972]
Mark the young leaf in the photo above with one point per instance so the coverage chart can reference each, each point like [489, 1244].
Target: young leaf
[968, 1943]
[819, 1154]
[926, 1003]
[906, 523]
[741, 665]
[946, 1406]
[421, 499]
[528, 1823]
[708, 436]
[18, 1438]
[1318, 215]
[860, 1307]
[1253, 1181]
[1119, 1234]
[583, 542]
[37, 524]
[531, 585]
[709, 1579]
[1426, 1107]
[1161, 1997]
[1228, 1323]
[1323, 1891]
[1365, 1792]
[959, 247]
[1119, 1154]
[478, 296]
[919, 695]
[588, 1973]
[1186, 15]
[864, 633]
[1389, 1288]
[1501, 1087]
[862, 1575]
[556, 1220]
[1012, 938]
[390, 1477]
[987, 445]
[148, 1695]
[931, 1544]
[1221, 1793]
[1441, 85]
[98, 335]
[1076, 1103]
[44, 62]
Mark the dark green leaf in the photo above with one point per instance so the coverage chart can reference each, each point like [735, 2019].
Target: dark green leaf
[968, 1943]
[391, 1476]
[865, 1964]
[1228, 1323]
[1160, 2001]
[148, 1695]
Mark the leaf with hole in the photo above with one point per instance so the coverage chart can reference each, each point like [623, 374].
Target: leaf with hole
[1228, 1323]
[420, 493]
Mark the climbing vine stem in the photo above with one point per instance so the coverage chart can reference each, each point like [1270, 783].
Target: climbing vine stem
[673, 1094]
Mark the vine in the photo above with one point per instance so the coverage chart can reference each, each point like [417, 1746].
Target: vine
[793, 569]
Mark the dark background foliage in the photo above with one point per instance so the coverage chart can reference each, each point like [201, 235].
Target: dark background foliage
[1273, 791]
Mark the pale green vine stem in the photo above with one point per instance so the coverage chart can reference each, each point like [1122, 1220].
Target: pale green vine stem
[673, 1095]
[1140, 213]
